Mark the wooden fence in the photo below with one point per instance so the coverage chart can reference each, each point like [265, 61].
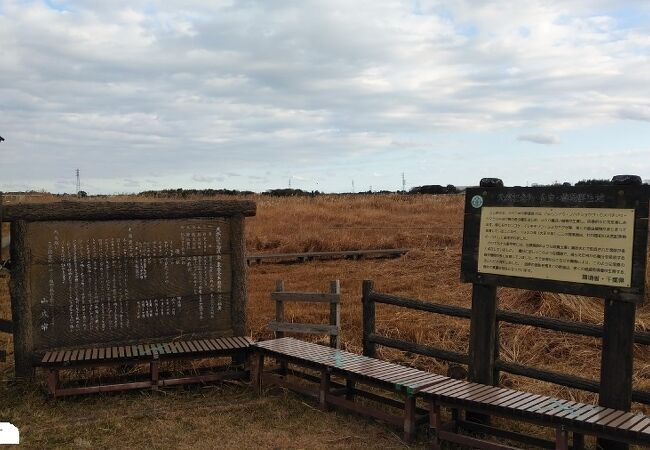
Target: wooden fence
[332, 298]
[371, 339]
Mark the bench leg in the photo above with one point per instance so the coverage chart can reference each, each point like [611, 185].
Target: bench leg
[154, 369]
[53, 381]
[257, 370]
[409, 418]
[561, 438]
[239, 359]
[578, 441]
[324, 389]
[434, 424]
[349, 390]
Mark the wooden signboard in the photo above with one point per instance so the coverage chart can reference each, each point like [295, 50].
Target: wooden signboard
[579, 240]
[131, 275]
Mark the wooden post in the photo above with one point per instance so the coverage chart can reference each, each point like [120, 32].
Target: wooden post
[562, 439]
[257, 375]
[1, 260]
[239, 281]
[435, 425]
[279, 308]
[324, 389]
[409, 418]
[335, 314]
[617, 357]
[154, 368]
[482, 339]
[53, 381]
[279, 318]
[369, 348]
[239, 271]
[21, 308]
[617, 361]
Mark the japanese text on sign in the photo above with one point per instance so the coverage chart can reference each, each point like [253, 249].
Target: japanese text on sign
[580, 245]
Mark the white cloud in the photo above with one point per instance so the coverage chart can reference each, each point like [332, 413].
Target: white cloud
[207, 179]
[544, 139]
[130, 88]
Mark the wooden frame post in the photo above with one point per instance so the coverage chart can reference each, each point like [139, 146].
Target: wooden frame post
[1, 201]
[335, 314]
[154, 369]
[617, 361]
[279, 317]
[369, 348]
[257, 371]
[21, 306]
[324, 391]
[435, 424]
[483, 339]
[409, 418]
[239, 281]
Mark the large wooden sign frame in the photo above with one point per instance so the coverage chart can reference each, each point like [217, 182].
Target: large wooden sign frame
[91, 273]
[587, 240]
[555, 234]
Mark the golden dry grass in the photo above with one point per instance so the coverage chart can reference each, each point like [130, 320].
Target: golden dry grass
[432, 228]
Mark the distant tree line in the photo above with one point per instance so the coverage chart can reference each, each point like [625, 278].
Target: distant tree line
[435, 189]
[589, 182]
[184, 193]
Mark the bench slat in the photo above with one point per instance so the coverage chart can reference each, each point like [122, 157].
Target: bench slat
[641, 425]
[630, 422]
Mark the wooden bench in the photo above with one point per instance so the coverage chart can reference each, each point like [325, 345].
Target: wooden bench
[152, 354]
[564, 415]
[440, 391]
[353, 369]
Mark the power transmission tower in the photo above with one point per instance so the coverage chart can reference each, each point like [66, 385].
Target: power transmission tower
[289, 182]
[353, 186]
[403, 183]
[78, 183]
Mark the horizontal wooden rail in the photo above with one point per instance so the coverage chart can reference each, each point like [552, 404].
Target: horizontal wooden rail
[69, 210]
[420, 305]
[305, 297]
[563, 379]
[6, 326]
[549, 376]
[420, 349]
[307, 256]
[567, 326]
[304, 328]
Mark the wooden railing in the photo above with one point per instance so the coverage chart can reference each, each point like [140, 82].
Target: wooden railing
[371, 339]
[310, 256]
[333, 298]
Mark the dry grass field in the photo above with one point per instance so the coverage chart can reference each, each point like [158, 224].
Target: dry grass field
[229, 416]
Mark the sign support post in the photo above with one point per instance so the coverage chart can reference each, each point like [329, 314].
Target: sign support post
[617, 359]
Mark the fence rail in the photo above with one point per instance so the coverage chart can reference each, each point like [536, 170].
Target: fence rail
[371, 339]
[310, 256]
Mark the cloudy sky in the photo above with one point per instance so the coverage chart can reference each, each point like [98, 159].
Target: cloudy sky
[251, 94]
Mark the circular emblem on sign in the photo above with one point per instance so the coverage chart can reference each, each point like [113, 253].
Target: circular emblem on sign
[477, 201]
